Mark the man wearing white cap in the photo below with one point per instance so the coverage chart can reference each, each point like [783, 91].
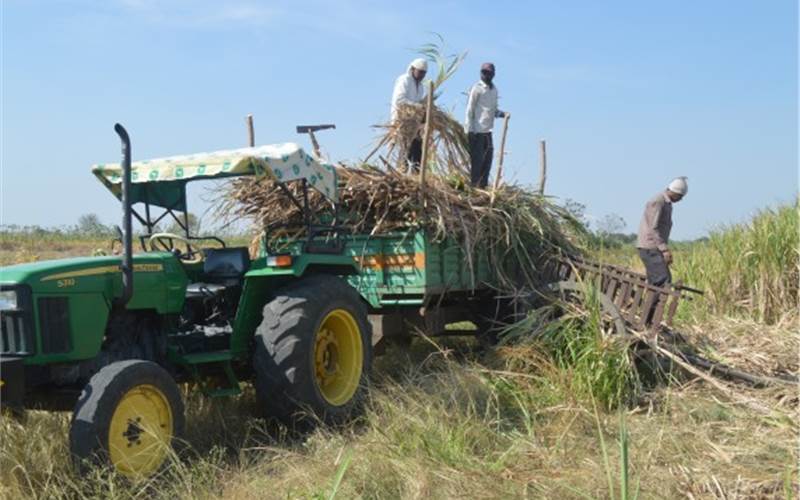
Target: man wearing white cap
[654, 232]
[408, 89]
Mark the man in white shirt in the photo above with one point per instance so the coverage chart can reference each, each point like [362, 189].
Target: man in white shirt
[408, 89]
[481, 112]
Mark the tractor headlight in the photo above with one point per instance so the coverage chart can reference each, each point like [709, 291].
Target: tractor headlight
[8, 300]
[279, 261]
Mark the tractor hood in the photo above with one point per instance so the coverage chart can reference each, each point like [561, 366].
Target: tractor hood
[48, 270]
[57, 273]
[159, 283]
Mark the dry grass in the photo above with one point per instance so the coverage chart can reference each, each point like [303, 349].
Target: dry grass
[769, 350]
[20, 248]
[446, 422]
[442, 423]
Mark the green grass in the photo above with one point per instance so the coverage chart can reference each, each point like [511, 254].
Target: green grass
[599, 365]
[748, 270]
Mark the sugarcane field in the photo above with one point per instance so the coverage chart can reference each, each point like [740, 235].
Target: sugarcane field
[399, 251]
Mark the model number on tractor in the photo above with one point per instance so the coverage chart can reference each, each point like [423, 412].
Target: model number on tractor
[66, 282]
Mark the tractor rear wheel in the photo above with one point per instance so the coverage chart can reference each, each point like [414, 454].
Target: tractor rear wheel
[128, 416]
[313, 352]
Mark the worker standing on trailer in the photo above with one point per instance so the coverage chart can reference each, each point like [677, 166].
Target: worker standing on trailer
[481, 112]
[654, 230]
[408, 89]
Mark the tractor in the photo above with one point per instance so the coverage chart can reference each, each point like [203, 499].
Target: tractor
[111, 337]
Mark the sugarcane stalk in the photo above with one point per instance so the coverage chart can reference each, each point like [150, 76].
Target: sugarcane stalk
[426, 138]
[502, 153]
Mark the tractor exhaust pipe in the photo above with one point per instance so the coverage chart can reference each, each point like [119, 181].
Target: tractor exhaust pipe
[127, 246]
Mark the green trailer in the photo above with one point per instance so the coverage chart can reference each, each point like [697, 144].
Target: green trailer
[411, 281]
[111, 337]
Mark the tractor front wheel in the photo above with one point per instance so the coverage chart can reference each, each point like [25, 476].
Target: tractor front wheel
[313, 352]
[128, 416]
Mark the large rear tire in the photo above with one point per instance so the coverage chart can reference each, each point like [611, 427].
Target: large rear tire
[313, 352]
[129, 416]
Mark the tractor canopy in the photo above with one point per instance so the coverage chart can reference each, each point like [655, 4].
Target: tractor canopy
[162, 182]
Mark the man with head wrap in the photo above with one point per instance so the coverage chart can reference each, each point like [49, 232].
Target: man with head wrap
[409, 90]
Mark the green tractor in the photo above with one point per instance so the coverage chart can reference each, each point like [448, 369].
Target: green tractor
[111, 337]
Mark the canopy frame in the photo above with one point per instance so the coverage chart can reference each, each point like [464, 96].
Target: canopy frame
[162, 182]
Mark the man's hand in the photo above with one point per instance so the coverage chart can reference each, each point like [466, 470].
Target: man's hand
[667, 257]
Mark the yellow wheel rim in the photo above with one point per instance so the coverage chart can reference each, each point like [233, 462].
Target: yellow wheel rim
[338, 357]
[140, 432]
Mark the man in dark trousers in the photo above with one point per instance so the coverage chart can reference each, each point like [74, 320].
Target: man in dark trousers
[481, 112]
[409, 90]
[654, 232]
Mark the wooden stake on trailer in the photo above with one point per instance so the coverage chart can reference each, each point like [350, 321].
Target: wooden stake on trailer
[502, 153]
[542, 165]
[426, 137]
[251, 135]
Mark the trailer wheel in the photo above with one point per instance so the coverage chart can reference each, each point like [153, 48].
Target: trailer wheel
[490, 317]
[128, 417]
[313, 352]
[573, 290]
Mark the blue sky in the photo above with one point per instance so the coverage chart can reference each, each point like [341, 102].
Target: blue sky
[628, 94]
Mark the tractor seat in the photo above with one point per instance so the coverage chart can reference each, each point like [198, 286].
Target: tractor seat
[222, 268]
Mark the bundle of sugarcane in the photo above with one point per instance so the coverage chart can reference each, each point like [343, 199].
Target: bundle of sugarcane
[448, 152]
[516, 227]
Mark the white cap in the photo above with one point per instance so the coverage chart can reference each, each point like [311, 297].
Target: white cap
[679, 186]
[420, 64]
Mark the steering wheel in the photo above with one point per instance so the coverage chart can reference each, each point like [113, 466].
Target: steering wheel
[166, 242]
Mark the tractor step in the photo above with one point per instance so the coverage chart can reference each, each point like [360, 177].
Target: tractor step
[223, 391]
[201, 358]
[215, 359]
